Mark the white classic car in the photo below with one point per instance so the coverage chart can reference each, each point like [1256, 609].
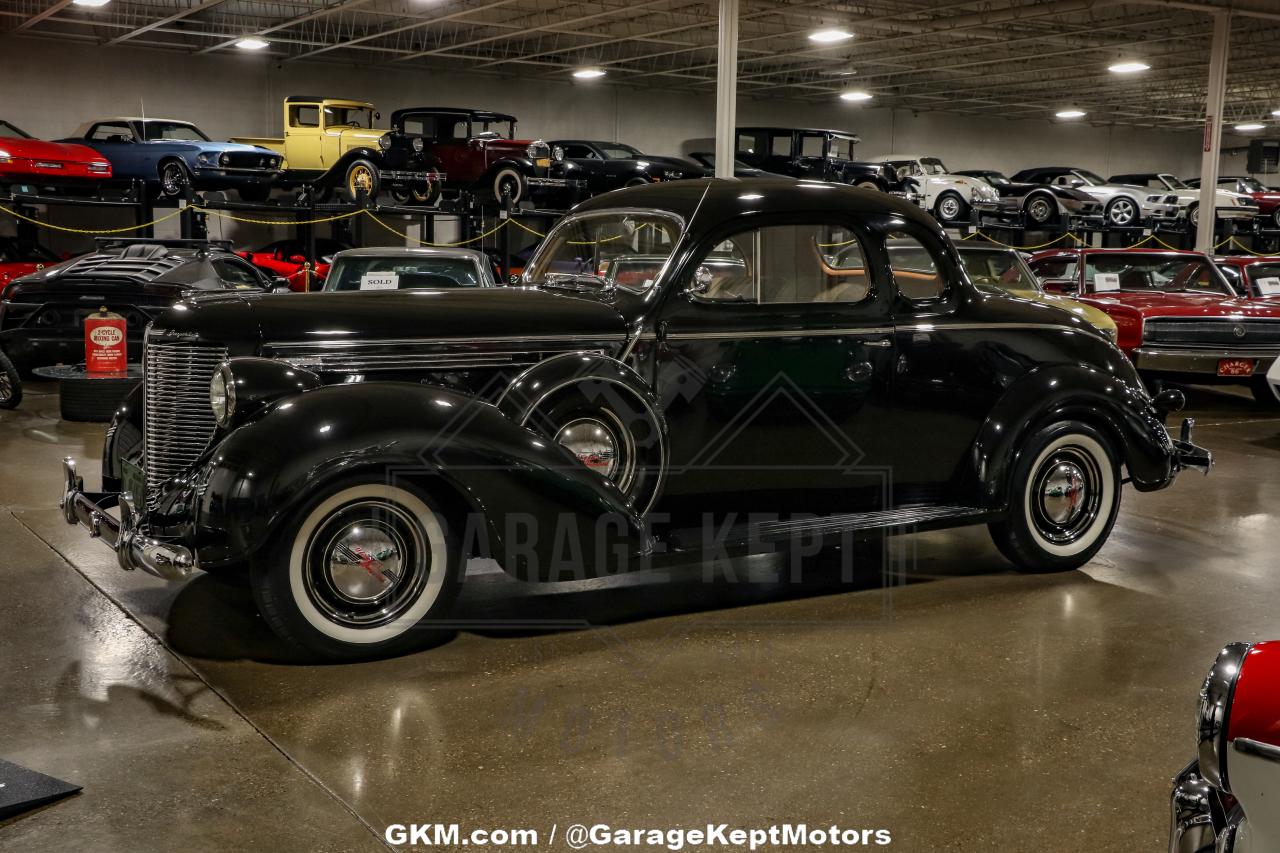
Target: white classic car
[1124, 205]
[949, 197]
[1228, 205]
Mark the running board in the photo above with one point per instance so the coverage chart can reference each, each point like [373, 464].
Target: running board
[913, 517]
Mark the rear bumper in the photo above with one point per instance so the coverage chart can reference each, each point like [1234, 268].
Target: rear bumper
[1188, 454]
[1198, 361]
[1198, 818]
[133, 548]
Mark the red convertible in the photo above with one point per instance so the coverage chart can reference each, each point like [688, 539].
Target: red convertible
[288, 259]
[1176, 315]
[25, 160]
[18, 259]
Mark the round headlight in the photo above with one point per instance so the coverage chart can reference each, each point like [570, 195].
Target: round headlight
[531, 151]
[418, 144]
[1213, 714]
[557, 153]
[384, 141]
[203, 158]
[222, 396]
[224, 159]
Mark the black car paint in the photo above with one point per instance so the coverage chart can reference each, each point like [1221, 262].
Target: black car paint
[958, 384]
[795, 164]
[603, 173]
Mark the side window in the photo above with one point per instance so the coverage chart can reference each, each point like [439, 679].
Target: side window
[111, 133]
[780, 145]
[579, 152]
[416, 126]
[915, 267]
[304, 115]
[236, 273]
[785, 264]
[812, 146]
[749, 144]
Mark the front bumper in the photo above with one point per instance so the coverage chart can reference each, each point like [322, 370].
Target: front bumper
[1198, 816]
[1188, 454]
[134, 549]
[1199, 361]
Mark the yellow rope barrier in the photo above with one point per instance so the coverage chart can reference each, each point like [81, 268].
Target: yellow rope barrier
[223, 215]
[1246, 249]
[488, 233]
[1058, 239]
[99, 231]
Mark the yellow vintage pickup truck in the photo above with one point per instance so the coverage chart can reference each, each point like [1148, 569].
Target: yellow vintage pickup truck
[332, 143]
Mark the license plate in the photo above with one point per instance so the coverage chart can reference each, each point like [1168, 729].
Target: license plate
[542, 163]
[1236, 366]
[133, 482]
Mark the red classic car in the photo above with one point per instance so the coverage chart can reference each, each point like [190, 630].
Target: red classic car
[1176, 314]
[288, 259]
[18, 259]
[1267, 199]
[25, 160]
[1251, 276]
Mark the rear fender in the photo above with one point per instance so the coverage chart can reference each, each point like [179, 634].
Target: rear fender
[1109, 402]
[513, 495]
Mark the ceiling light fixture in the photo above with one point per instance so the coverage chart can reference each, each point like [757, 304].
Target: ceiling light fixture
[589, 73]
[1250, 125]
[252, 43]
[856, 95]
[1128, 67]
[92, 4]
[830, 36]
[1071, 114]
[1275, 112]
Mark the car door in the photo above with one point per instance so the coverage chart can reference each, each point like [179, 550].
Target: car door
[590, 160]
[302, 143]
[774, 360]
[116, 141]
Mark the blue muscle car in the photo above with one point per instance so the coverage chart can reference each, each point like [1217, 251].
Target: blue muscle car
[170, 155]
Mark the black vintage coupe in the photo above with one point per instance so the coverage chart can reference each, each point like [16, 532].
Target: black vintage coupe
[707, 367]
[612, 165]
[822, 155]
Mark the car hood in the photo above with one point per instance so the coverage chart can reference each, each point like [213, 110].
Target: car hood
[1091, 315]
[466, 317]
[1185, 304]
[39, 149]
[210, 147]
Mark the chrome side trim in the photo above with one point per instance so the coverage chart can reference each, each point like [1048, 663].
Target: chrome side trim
[285, 346]
[865, 331]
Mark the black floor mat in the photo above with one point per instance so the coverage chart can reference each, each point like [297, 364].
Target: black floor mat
[22, 789]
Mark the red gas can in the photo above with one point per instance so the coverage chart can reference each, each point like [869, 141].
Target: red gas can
[105, 352]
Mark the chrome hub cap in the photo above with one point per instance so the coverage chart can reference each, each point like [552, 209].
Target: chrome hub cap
[950, 208]
[1039, 210]
[1066, 496]
[593, 442]
[1122, 212]
[366, 564]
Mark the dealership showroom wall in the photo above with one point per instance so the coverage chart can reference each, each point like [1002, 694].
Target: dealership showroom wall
[815, 425]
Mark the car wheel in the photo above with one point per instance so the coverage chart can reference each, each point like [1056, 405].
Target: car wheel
[868, 185]
[508, 183]
[174, 178]
[1193, 215]
[951, 208]
[1040, 210]
[609, 430]
[1063, 498]
[1275, 217]
[1264, 393]
[362, 176]
[360, 571]
[1122, 211]
[10, 384]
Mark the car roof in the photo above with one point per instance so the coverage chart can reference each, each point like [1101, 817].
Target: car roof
[412, 252]
[465, 111]
[1246, 260]
[770, 129]
[724, 198]
[884, 158]
[140, 118]
[316, 99]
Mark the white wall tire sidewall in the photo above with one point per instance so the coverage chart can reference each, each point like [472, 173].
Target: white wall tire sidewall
[436, 542]
[498, 180]
[1109, 485]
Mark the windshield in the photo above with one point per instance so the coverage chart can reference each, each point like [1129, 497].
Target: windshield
[401, 273]
[596, 251]
[1173, 183]
[1252, 185]
[15, 251]
[998, 269]
[1089, 177]
[1264, 280]
[348, 116]
[1139, 272]
[620, 152]
[932, 166]
[173, 130]
[9, 130]
[494, 128]
[996, 179]
[841, 148]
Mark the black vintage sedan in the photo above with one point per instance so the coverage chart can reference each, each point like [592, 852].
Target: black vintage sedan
[709, 367]
[611, 165]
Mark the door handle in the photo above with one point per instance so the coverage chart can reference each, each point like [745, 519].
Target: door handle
[883, 342]
[860, 371]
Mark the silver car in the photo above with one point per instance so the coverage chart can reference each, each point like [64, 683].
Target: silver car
[1123, 205]
[397, 268]
[1228, 205]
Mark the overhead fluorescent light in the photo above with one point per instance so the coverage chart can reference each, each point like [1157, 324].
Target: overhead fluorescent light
[589, 73]
[93, 4]
[1071, 114]
[252, 43]
[1251, 125]
[830, 36]
[856, 96]
[1128, 67]
[1275, 112]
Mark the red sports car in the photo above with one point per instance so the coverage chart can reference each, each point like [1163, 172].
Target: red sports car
[1267, 199]
[288, 258]
[1252, 276]
[1176, 315]
[25, 160]
[18, 259]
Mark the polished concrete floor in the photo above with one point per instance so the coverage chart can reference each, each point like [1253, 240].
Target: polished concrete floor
[961, 705]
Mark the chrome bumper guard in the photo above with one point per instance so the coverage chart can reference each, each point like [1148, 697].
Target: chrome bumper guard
[1197, 820]
[1175, 359]
[415, 177]
[134, 550]
[1187, 454]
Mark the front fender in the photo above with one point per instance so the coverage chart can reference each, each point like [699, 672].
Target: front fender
[516, 496]
[1115, 404]
[550, 375]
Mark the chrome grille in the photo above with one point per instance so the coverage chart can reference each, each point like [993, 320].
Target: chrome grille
[1226, 332]
[178, 419]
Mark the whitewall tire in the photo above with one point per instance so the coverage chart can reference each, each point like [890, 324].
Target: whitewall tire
[1063, 499]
